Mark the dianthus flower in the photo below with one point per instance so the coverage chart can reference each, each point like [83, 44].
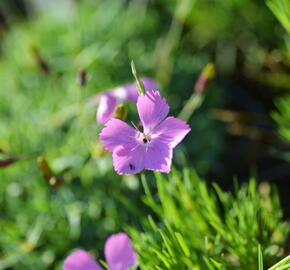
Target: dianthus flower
[149, 148]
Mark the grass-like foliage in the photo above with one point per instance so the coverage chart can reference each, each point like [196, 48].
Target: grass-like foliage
[282, 117]
[207, 228]
[281, 9]
[46, 113]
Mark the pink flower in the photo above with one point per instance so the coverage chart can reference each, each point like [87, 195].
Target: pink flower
[109, 101]
[134, 150]
[119, 254]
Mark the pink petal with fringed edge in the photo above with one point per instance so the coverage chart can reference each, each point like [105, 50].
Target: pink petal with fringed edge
[152, 109]
[119, 252]
[129, 92]
[171, 131]
[81, 260]
[117, 133]
[129, 159]
[158, 157]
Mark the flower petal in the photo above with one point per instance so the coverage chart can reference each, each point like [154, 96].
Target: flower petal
[117, 133]
[106, 109]
[158, 157]
[152, 109]
[129, 92]
[81, 260]
[119, 252]
[171, 131]
[129, 159]
[149, 84]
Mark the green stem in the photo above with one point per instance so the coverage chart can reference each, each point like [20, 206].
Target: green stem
[190, 106]
[166, 50]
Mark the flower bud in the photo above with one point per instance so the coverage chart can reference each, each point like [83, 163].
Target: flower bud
[140, 84]
[45, 169]
[7, 162]
[82, 77]
[121, 113]
[206, 76]
[47, 173]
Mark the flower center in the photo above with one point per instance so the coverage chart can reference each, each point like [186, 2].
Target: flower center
[145, 138]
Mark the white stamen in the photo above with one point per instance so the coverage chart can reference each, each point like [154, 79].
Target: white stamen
[134, 126]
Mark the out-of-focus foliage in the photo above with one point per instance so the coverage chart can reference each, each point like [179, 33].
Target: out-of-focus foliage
[282, 117]
[281, 8]
[44, 112]
[207, 228]
[242, 36]
[48, 52]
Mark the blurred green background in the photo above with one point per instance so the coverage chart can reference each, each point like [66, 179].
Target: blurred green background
[242, 128]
